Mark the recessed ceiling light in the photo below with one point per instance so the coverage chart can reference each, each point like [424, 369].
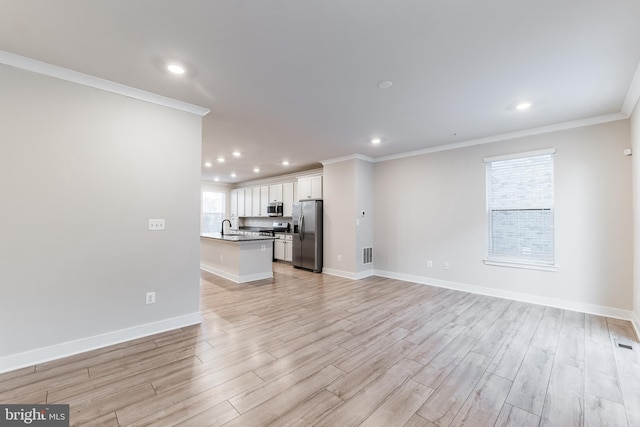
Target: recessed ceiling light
[216, 179]
[207, 164]
[285, 163]
[523, 106]
[221, 159]
[176, 69]
[256, 170]
[236, 154]
[376, 141]
[233, 174]
[385, 84]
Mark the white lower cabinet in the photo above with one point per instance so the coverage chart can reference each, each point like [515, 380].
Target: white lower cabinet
[279, 247]
[283, 247]
[288, 248]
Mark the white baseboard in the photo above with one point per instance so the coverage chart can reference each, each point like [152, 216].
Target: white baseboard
[58, 351]
[517, 296]
[234, 277]
[636, 324]
[348, 274]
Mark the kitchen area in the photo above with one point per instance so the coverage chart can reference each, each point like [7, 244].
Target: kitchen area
[278, 220]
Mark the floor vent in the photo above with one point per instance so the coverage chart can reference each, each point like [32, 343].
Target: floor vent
[367, 255]
[622, 343]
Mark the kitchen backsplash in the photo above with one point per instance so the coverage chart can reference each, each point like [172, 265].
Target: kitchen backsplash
[262, 222]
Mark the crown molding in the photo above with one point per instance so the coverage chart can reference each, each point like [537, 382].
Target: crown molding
[278, 179]
[346, 158]
[61, 73]
[511, 135]
[633, 94]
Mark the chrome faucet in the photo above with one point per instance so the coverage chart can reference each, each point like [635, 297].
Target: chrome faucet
[222, 226]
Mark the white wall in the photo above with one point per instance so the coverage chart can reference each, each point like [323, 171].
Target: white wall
[347, 192]
[364, 203]
[433, 207]
[339, 238]
[635, 144]
[81, 172]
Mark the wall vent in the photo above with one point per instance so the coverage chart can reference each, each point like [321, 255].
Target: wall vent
[367, 255]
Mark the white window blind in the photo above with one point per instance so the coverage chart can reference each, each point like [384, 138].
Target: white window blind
[520, 208]
[212, 211]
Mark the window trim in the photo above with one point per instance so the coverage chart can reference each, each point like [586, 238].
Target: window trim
[518, 263]
[519, 155]
[521, 264]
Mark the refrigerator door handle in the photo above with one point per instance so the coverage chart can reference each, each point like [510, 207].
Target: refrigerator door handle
[301, 222]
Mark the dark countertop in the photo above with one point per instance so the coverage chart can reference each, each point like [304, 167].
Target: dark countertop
[230, 237]
[256, 229]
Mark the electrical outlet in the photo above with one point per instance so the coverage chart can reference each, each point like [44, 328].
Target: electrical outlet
[429, 264]
[339, 257]
[156, 224]
[446, 265]
[151, 297]
[264, 248]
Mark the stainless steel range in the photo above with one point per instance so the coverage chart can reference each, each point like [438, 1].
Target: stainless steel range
[276, 227]
[280, 227]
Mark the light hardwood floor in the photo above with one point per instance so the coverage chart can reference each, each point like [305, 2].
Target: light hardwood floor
[309, 349]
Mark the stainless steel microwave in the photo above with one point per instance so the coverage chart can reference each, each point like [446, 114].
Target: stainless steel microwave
[275, 209]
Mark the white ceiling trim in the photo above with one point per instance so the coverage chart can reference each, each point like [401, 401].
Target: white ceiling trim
[61, 73]
[346, 158]
[279, 179]
[633, 94]
[512, 135]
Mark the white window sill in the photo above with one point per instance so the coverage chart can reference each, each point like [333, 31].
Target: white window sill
[515, 264]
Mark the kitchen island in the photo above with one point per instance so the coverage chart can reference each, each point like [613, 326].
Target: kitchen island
[239, 258]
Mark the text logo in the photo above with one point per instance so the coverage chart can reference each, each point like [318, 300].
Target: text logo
[34, 415]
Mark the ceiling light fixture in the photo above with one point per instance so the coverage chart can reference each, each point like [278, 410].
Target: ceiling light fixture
[208, 164]
[236, 154]
[385, 84]
[176, 69]
[233, 174]
[376, 141]
[221, 159]
[256, 170]
[285, 163]
[216, 179]
[523, 106]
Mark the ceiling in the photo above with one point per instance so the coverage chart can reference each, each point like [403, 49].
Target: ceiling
[298, 80]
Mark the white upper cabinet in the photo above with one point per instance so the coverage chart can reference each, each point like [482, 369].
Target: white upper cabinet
[310, 187]
[241, 199]
[275, 193]
[255, 203]
[248, 202]
[264, 200]
[233, 208]
[233, 202]
[287, 199]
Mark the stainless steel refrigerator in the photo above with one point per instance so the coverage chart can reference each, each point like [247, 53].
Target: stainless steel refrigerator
[307, 235]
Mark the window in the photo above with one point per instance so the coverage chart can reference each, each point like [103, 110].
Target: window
[520, 209]
[212, 211]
